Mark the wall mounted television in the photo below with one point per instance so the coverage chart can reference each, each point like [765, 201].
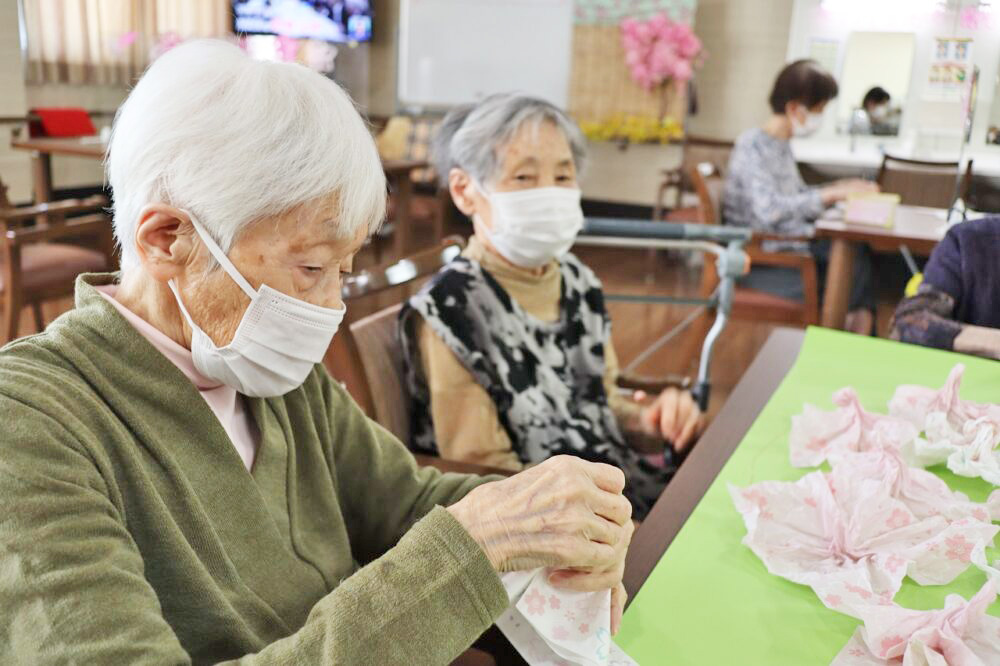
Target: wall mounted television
[327, 20]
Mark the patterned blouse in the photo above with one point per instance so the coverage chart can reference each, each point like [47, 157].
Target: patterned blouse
[546, 379]
[765, 191]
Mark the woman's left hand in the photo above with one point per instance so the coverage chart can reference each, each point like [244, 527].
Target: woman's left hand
[674, 416]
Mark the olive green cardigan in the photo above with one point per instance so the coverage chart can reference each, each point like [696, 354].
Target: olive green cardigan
[131, 532]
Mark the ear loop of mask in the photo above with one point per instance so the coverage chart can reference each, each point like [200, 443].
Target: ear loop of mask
[221, 257]
[223, 260]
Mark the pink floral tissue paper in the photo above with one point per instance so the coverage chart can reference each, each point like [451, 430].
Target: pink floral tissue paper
[924, 493]
[963, 434]
[818, 436]
[960, 634]
[551, 626]
[847, 537]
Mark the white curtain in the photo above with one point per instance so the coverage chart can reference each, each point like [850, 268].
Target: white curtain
[111, 41]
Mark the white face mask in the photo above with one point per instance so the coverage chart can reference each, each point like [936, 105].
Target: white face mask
[880, 112]
[277, 343]
[812, 124]
[533, 227]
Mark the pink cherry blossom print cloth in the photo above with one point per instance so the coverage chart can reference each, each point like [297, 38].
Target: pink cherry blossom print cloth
[960, 634]
[818, 436]
[551, 626]
[960, 433]
[846, 536]
[923, 493]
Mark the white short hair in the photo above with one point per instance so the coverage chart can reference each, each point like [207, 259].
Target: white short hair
[234, 140]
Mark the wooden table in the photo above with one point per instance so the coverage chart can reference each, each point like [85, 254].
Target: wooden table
[42, 149]
[714, 448]
[398, 172]
[916, 227]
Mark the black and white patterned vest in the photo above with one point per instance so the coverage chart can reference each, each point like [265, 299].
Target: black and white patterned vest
[546, 379]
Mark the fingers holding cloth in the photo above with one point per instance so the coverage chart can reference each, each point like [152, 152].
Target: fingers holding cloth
[558, 534]
[564, 523]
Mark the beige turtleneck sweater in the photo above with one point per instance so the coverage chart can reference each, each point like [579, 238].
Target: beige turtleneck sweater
[466, 423]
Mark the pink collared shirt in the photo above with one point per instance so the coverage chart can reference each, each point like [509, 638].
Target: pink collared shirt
[227, 405]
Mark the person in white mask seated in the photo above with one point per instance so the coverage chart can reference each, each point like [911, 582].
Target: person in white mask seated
[182, 482]
[880, 117]
[508, 350]
[765, 191]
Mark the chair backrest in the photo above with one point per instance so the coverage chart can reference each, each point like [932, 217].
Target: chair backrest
[923, 183]
[377, 343]
[52, 222]
[700, 150]
[708, 184]
[371, 360]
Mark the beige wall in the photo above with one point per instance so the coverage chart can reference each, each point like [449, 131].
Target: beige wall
[14, 166]
[747, 41]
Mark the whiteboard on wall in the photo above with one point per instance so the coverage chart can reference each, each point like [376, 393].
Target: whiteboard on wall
[457, 51]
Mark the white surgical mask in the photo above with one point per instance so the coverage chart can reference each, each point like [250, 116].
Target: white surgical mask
[277, 343]
[880, 112]
[812, 124]
[533, 227]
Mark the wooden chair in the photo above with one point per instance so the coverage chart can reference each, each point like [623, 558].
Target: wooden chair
[749, 303]
[377, 344]
[33, 268]
[374, 353]
[697, 150]
[923, 183]
[372, 341]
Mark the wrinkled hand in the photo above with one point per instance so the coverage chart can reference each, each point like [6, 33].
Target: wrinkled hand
[564, 513]
[673, 415]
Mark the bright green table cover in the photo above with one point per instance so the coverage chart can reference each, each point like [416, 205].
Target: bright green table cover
[710, 601]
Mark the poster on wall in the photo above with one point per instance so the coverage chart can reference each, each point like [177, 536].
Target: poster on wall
[950, 69]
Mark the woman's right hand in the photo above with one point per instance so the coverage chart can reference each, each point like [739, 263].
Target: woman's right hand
[841, 189]
[564, 513]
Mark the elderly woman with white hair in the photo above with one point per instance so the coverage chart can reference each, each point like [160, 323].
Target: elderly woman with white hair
[508, 349]
[182, 483]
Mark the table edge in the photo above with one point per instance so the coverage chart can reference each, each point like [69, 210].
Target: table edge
[714, 449]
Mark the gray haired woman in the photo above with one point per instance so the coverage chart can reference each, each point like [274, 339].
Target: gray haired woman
[508, 350]
[182, 482]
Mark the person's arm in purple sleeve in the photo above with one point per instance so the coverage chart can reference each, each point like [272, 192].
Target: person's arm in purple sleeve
[926, 319]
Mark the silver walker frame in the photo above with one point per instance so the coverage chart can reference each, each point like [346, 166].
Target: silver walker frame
[725, 243]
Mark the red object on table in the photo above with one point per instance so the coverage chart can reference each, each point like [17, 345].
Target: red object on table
[61, 122]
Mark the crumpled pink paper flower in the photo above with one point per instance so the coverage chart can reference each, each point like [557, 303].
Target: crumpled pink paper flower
[847, 537]
[960, 634]
[818, 436]
[963, 434]
[923, 493]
